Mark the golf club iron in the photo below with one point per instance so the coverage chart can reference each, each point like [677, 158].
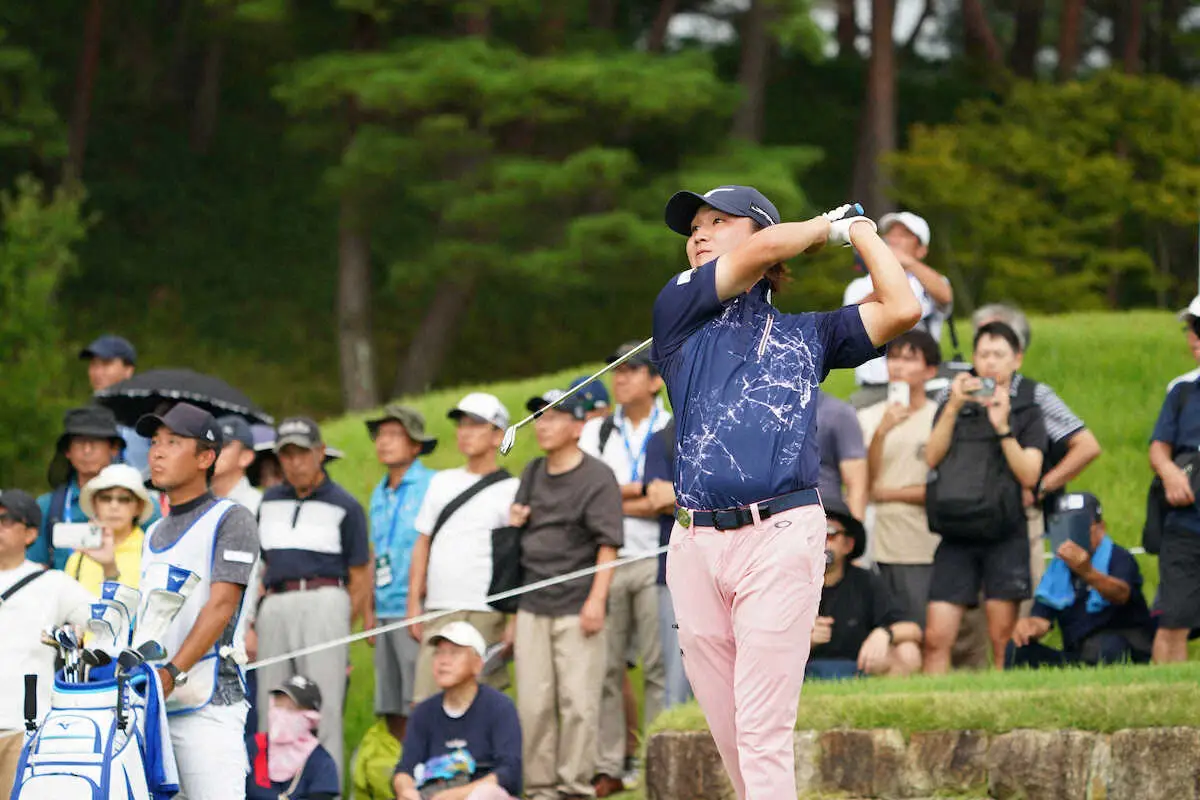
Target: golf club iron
[94, 658]
[68, 643]
[510, 435]
[128, 599]
[156, 615]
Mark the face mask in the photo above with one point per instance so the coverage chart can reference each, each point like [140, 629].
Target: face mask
[290, 741]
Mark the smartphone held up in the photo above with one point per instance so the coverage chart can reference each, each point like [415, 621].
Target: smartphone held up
[77, 536]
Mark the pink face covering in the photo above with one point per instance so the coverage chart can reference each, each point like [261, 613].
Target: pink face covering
[290, 741]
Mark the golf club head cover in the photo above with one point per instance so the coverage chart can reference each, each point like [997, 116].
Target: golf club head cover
[157, 615]
[841, 218]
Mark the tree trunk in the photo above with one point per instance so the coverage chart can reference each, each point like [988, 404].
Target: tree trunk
[979, 40]
[658, 30]
[85, 80]
[877, 137]
[355, 347]
[208, 95]
[420, 365]
[1068, 39]
[602, 14]
[847, 27]
[1022, 58]
[1131, 27]
[752, 72]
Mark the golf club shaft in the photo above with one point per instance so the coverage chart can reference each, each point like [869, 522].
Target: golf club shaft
[583, 384]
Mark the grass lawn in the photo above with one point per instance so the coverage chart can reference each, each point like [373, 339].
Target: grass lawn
[1111, 368]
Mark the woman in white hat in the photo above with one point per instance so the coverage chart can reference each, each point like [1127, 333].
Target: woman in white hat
[117, 500]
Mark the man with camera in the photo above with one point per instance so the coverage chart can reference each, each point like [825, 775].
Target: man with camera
[987, 446]
[1093, 590]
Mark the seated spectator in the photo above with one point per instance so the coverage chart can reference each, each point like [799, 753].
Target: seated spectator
[843, 455]
[112, 359]
[287, 761]
[117, 500]
[33, 599]
[1093, 590]
[859, 628]
[464, 743]
[986, 447]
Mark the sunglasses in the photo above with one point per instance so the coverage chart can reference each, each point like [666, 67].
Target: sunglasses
[124, 499]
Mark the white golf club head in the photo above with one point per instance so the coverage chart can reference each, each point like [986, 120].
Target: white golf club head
[510, 438]
[156, 616]
[106, 622]
[123, 624]
[129, 599]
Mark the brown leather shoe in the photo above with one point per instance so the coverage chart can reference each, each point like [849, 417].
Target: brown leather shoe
[606, 785]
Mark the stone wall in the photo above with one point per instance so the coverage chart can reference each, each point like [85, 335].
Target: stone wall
[1136, 764]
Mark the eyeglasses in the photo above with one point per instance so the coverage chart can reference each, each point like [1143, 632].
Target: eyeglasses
[123, 498]
[833, 530]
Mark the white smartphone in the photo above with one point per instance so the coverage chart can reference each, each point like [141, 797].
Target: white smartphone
[77, 536]
[899, 394]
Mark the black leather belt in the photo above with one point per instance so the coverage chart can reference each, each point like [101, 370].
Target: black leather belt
[730, 519]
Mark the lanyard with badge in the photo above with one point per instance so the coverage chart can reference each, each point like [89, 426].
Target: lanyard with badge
[638, 460]
[383, 557]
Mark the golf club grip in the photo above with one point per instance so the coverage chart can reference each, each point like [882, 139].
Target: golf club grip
[30, 701]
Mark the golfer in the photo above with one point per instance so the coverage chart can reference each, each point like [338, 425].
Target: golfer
[747, 550]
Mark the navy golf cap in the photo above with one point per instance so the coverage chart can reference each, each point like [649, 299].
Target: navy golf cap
[740, 201]
[22, 506]
[109, 347]
[573, 405]
[235, 429]
[184, 419]
[1084, 502]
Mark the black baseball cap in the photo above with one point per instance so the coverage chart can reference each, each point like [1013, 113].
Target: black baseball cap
[837, 509]
[22, 506]
[740, 201]
[110, 346]
[184, 419]
[642, 359]
[303, 691]
[573, 405]
[236, 429]
[299, 431]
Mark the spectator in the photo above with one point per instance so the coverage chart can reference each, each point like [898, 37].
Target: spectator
[859, 630]
[117, 500]
[452, 560]
[621, 441]
[572, 520]
[594, 397]
[287, 761]
[908, 236]
[1173, 447]
[265, 471]
[843, 455]
[89, 442]
[316, 574]
[660, 490]
[896, 469]
[465, 722]
[399, 437]
[984, 448]
[1188, 317]
[112, 359]
[1093, 590]
[33, 599]
[237, 454]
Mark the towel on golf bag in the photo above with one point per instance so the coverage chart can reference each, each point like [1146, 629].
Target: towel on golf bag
[162, 774]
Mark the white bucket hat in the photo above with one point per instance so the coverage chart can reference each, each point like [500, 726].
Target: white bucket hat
[117, 476]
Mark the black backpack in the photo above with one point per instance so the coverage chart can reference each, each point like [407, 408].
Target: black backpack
[973, 495]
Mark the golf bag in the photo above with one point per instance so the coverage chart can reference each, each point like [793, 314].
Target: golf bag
[96, 742]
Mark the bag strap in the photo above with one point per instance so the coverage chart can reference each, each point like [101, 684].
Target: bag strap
[21, 584]
[957, 351]
[525, 490]
[491, 479]
[606, 431]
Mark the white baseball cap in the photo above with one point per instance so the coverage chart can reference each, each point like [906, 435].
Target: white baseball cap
[918, 225]
[1193, 309]
[486, 407]
[462, 634]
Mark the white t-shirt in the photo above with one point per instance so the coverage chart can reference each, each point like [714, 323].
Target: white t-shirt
[244, 494]
[51, 600]
[460, 560]
[627, 443]
[932, 317]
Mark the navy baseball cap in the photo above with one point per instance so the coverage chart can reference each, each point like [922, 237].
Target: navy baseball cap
[235, 429]
[592, 396]
[22, 506]
[184, 419]
[109, 347]
[1085, 502]
[573, 405]
[740, 201]
[641, 359]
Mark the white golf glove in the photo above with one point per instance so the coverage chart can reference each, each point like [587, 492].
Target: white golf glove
[842, 218]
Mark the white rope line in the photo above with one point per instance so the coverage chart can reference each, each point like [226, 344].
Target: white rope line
[429, 616]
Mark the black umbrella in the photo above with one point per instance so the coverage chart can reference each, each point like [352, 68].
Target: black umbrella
[146, 391]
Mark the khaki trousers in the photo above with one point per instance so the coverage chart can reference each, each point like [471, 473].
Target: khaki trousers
[489, 623]
[11, 743]
[559, 674]
[632, 616]
[1037, 550]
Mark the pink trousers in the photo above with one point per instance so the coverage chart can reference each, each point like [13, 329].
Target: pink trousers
[745, 602]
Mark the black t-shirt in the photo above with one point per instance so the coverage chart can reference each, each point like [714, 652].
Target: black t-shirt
[859, 603]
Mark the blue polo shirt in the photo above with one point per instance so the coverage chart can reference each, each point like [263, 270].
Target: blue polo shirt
[1076, 623]
[743, 380]
[394, 532]
[1178, 425]
[318, 536]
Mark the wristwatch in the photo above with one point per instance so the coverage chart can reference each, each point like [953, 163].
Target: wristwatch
[178, 677]
[1008, 434]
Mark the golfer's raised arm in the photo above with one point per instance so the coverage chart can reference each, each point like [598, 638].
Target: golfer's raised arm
[894, 309]
[746, 265]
